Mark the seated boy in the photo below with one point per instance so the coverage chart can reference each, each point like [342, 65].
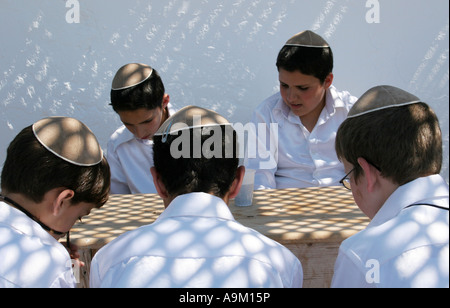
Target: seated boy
[195, 242]
[308, 111]
[391, 147]
[54, 173]
[138, 96]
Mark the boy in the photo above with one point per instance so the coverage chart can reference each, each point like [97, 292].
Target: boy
[195, 242]
[391, 147]
[54, 174]
[308, 111]
[138, 96]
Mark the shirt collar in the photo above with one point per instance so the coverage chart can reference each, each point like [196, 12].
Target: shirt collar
[198, 205]
[283, 113]
[334, 101]
[432, 189]
[19, 221]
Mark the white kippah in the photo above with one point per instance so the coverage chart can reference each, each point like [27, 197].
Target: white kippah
[131, 75]
[307, 39]
[190, 117]
[69, 139]
[382, 97]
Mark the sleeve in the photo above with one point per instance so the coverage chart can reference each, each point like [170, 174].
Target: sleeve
[349, 100]
[66, 280]
[94, 275]
[297, 276]
[263, 151]
[347, 273]
[118, 179]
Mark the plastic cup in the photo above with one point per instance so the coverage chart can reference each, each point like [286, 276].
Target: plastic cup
[245, 196]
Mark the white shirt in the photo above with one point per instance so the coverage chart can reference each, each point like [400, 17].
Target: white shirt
[29, 256]
[401, 247]
[130, 160]
[195, 243]
[298, 158]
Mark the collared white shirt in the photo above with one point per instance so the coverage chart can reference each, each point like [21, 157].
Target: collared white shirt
[29, 256]
[293, 157]
[195, 243]
[402, 246]
[130, 160]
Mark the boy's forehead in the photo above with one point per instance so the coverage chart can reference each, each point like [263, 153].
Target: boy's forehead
[131, 75]
[296, 78]
[138, 116]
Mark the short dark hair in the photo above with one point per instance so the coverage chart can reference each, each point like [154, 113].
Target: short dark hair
[404, 142]
[204, 174]
[314, 61]
[31, 170]
[148, 95]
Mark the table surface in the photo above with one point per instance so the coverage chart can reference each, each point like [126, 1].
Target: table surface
[318, 214]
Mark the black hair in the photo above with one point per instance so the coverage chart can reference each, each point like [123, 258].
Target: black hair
[315, 61]
[148, 94]
[201, 173]
[31, 170]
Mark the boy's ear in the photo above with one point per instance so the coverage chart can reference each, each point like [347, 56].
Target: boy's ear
[237, 183]
[370, 173]
[159, 185]
[328, 81]
[166, 100]
[61, 197]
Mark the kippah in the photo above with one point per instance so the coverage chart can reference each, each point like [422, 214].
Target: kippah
[69, 139]
[131, 75]
[382, 97]
[190, 117]
[307, 39]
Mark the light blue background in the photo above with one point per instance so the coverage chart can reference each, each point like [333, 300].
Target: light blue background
[216, 54]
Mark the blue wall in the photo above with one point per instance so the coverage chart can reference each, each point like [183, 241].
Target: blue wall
[216, 54]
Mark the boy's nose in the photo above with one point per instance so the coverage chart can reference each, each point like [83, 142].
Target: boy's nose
[140, 132]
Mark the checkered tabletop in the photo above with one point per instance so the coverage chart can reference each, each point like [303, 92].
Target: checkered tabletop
[289, 215]
[303, 215]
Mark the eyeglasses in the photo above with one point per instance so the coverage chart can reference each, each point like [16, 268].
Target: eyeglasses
[346, 180]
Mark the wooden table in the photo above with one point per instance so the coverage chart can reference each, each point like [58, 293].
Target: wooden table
[311, 222]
